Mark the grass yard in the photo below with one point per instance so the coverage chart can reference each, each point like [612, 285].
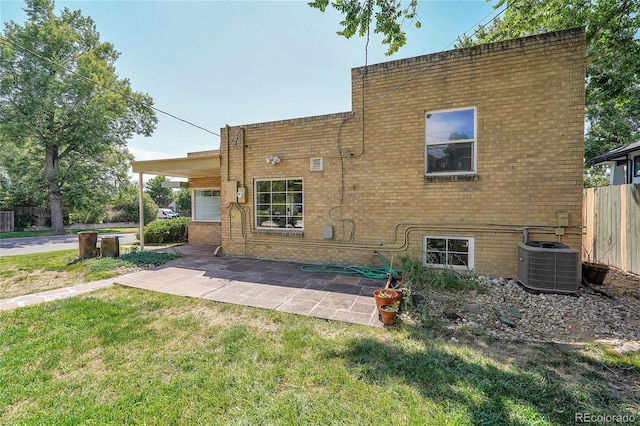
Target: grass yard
[32, 273]
[126, 356]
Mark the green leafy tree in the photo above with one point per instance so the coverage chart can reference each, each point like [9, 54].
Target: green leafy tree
[162, 196]
[50, 105]
[389, 17]
[613, 76]
[128, 206]
[183, 199]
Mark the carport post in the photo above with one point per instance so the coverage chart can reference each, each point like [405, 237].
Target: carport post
[141, 210]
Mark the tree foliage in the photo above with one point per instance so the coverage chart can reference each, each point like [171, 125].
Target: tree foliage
[389, 17]
[183, 199]
[161, 196]
[128, 205]
[613, 76]
[74, 130]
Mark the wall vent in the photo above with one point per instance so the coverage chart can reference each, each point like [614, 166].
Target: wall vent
[316, 164]
[548, 267]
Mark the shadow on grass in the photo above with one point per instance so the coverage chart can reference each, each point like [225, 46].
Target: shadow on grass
[494, 388]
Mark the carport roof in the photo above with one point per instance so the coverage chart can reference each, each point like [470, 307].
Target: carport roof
[196, 165]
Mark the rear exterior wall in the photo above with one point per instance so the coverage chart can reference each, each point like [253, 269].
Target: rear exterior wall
[529, 100]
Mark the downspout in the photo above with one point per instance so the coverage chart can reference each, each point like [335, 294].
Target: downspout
[141, 210]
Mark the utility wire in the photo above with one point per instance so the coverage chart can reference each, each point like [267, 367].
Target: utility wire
[480, 26]
[102, 85]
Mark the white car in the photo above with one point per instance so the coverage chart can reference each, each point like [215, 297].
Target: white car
[167, 214]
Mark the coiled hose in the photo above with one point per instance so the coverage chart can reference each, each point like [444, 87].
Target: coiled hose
[374, 273]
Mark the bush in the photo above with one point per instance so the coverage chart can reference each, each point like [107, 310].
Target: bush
[25, 221]
[420, 278]
[126, 202]
[167, 231]
[88, 215]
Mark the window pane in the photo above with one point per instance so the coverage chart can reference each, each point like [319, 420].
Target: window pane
[435, 258]
[278, 198]
[457, 259]
[450, 157]
[458, 245]
[450, 126]
[436, 244]
[278, 186]
[264, 186]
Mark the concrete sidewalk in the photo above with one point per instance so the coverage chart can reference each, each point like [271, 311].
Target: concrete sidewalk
[281, 286]
[51, 295]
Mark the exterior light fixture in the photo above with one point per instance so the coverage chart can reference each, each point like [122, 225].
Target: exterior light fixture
[273, 160]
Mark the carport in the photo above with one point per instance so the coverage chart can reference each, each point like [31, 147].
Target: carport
[196, 165]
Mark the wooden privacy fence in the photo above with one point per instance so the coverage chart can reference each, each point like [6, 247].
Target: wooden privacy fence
[6, 221]
[611, 217]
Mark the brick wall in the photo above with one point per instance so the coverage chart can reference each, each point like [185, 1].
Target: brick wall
[529, 98]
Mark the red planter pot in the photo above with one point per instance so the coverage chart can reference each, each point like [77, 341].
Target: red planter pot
[388, 317]
[395, 297]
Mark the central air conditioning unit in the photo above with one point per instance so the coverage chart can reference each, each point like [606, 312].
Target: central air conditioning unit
[548, 267]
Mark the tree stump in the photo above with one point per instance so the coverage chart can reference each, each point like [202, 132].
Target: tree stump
[87, 244]
[110, 246]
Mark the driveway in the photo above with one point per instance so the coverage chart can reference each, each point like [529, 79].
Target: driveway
[28, 245]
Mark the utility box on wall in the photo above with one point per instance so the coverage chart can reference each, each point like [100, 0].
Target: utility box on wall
[235, 193]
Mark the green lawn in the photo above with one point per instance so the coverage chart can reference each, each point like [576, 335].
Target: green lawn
[32, 273]
[126, 356]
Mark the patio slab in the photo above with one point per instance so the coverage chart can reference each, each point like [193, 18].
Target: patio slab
[281, 286]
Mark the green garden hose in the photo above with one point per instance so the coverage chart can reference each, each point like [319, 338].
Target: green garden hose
[374, 273]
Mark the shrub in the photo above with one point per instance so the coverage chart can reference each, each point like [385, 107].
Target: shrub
[167, 231]
[420, 278]
[24, 221]
[126, 202]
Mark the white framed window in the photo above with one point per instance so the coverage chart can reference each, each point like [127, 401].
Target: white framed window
[448, 252]
[450, 142]
[279, 204]
[206, 205]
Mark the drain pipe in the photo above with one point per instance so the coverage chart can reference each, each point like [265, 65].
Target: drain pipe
[525, 235]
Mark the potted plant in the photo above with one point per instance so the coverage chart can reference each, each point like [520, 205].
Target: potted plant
[389, 313]
[385, 296]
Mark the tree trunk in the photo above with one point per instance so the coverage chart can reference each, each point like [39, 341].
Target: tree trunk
[54, 192]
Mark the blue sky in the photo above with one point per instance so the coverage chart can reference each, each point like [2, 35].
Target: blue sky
[239, 62]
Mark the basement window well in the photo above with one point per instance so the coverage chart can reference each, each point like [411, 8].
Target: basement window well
[448, 252]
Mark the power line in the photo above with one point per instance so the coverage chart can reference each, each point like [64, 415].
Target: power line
[102, 85]
[480, 26]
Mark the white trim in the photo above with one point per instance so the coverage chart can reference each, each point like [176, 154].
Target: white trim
[470, 252]
[473, 141]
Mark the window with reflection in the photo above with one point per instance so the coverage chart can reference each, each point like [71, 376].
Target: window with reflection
[450, 142]
[453, 252]
[279, 204]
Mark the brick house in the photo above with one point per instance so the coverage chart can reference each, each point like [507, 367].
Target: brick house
[446, 157]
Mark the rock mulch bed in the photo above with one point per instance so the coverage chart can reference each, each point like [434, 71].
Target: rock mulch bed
[507, 311]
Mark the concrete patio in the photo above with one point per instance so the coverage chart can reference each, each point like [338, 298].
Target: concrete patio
[281, 286]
